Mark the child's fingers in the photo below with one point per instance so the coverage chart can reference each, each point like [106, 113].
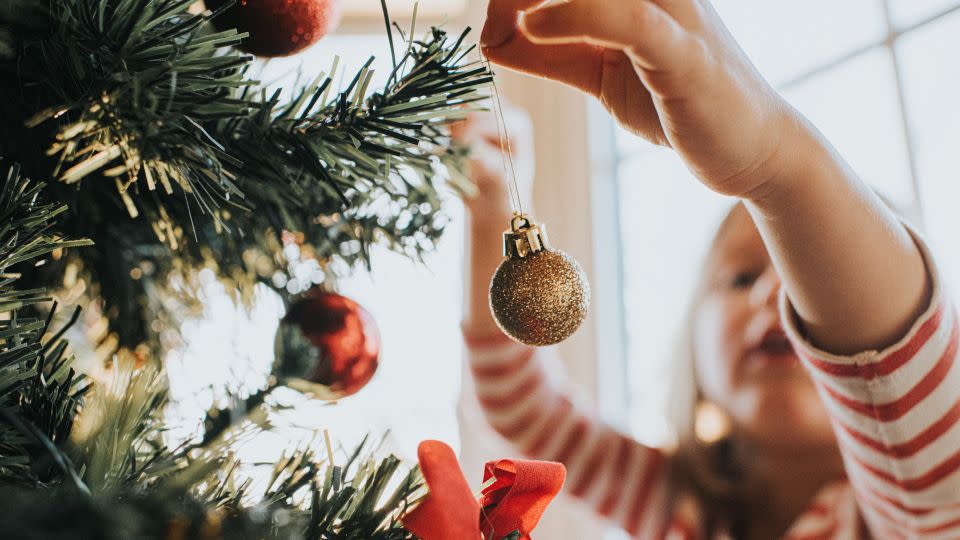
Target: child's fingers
[485, 126]
[683, 11]
[641, 27]
[578, 65]
[501, 22]
[478, 127]
[460, 129]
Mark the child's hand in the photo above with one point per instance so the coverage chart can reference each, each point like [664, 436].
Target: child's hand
[489, 165]
[667, 70]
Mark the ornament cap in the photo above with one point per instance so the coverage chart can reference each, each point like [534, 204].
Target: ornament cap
[524, 238]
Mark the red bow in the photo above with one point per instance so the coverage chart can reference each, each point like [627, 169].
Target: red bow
[513, 501]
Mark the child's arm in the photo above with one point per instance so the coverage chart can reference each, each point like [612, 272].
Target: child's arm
[620, 478]
[669, 71]
[896, 414]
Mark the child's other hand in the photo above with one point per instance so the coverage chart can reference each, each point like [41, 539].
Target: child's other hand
[667, 70]
[489, 165]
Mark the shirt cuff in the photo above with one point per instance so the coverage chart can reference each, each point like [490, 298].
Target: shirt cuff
[929, 325]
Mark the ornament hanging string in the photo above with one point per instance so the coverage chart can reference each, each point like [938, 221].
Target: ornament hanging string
[538, 296]
[509, 168]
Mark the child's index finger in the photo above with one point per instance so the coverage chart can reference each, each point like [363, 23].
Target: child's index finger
[502, 18]
[640, 27]
[578, 65]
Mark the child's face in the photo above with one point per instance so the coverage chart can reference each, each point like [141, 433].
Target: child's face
[744, 363]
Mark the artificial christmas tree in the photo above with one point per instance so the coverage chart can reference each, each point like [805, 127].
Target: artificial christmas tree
[154, 155]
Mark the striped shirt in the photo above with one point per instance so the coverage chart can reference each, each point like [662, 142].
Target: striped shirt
[895, 414]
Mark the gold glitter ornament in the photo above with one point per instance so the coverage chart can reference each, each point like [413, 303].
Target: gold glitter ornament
[539, 296]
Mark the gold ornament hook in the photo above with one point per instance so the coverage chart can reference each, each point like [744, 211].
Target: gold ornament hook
[519, 222]
[524, 238]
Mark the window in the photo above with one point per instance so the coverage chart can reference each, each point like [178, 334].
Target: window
[878, 77]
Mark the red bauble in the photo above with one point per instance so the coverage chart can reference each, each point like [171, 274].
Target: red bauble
[346, 337]
[278, 27]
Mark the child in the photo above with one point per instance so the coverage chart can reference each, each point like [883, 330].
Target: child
[820, 327]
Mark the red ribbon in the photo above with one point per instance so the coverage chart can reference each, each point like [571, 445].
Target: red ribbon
[514, 501]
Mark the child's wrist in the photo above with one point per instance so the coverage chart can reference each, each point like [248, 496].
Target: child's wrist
[806, 163]
[801, 154]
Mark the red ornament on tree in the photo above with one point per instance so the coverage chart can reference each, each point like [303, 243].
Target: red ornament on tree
[346, 338]
[278, 27]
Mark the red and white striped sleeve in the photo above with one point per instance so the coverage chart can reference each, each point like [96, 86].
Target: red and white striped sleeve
[621, 479]
[896, 414]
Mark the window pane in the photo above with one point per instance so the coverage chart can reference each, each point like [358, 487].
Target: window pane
[855, 106]
[667, 218]
[788, 37]
[906, 12]
[628, 143]
[932, 83]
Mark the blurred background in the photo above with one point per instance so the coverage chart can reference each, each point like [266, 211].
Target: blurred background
[878, 77]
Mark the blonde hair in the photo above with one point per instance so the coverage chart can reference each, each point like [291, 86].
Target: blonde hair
[701, 468]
